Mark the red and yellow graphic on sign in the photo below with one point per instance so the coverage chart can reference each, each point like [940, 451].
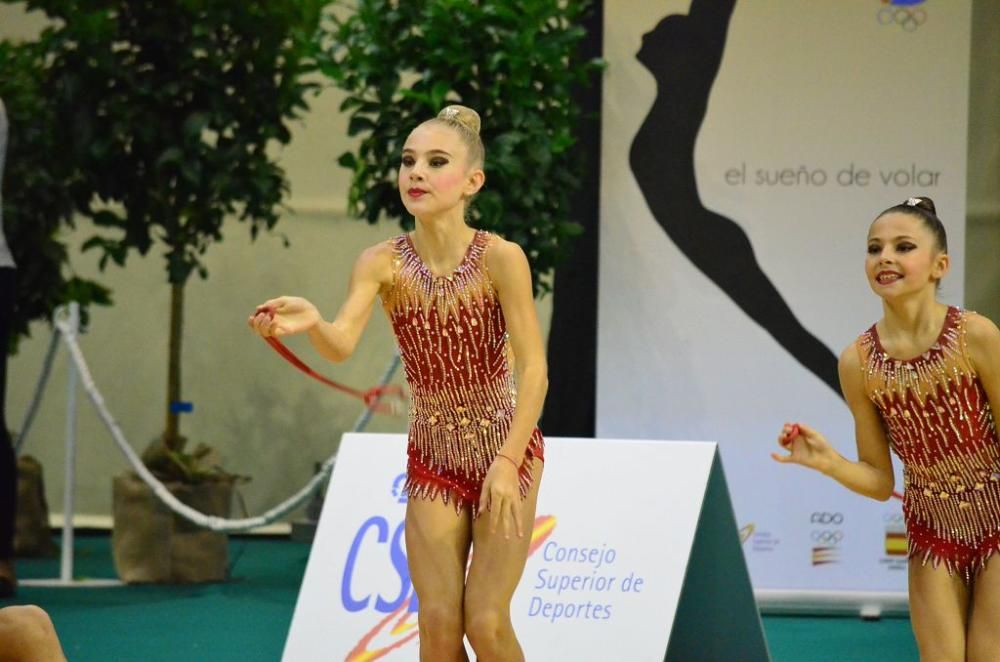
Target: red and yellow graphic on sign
[544, 524]
[400, 627]
[373, 646]
[824, 555]
[895, 543]
[895, 534]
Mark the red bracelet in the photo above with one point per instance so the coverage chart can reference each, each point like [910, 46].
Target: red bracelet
[509, 460]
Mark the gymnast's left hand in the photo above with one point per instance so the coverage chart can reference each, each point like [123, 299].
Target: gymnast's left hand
[501, 497]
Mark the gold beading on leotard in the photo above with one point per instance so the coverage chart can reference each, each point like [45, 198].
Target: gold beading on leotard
[939, 422]
[453, 340]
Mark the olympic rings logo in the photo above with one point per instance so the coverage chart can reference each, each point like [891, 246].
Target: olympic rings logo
[827, 537]
[904, 17]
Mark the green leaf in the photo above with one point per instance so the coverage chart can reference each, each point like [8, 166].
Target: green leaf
[348, 160]
[438, 93]
[195, 124]
[358, 124]
[108, 219]
[170, 156]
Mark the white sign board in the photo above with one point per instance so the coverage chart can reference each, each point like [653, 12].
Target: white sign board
[609, 559]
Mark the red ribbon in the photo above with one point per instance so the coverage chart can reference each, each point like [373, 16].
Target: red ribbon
[372, 397]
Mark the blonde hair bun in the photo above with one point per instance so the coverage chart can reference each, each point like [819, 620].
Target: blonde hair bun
[463, 115]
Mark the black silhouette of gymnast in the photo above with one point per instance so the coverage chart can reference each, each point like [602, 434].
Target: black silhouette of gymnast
[684, 54]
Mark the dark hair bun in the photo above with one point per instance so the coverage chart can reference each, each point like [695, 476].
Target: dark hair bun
[924, 209]
[923, 202]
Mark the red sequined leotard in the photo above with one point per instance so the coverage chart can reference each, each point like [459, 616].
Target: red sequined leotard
[940, 424]
[452, 338]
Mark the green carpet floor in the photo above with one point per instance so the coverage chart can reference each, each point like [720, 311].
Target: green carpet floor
[247, 619]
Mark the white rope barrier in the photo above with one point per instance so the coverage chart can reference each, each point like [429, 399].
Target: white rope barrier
[36, 400]
[211, 522]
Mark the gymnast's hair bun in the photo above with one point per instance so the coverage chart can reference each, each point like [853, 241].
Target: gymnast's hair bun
[461, 115]
[923, 208]
[922, 202]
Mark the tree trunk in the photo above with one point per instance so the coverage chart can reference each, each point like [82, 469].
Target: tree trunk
[171, 436]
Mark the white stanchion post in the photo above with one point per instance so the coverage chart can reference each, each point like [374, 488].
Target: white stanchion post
[69, 483]
[65, 579]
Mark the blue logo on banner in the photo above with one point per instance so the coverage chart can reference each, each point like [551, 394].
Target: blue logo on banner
[378, 527]
[397, 488]
[374, 536]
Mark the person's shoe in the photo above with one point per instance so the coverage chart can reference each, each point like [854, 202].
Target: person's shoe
[8, 580]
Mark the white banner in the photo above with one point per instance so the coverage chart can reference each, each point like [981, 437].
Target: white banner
[615, 525]
[745, 152]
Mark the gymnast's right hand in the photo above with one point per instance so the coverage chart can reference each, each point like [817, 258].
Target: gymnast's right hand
[805, 446]
[283, 316]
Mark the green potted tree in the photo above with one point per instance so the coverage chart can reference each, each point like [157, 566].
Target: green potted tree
[515, 63]
[167, 111]
[38, 196]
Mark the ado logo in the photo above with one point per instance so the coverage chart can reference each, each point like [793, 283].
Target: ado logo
[826, 518]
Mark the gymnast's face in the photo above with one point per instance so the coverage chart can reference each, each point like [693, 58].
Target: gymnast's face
[434, 173]
[903, 256]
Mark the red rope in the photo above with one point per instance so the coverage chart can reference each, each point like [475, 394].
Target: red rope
[373, 397]
[789, 437]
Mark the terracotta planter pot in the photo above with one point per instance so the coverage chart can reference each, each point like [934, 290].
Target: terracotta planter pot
[152, 545]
